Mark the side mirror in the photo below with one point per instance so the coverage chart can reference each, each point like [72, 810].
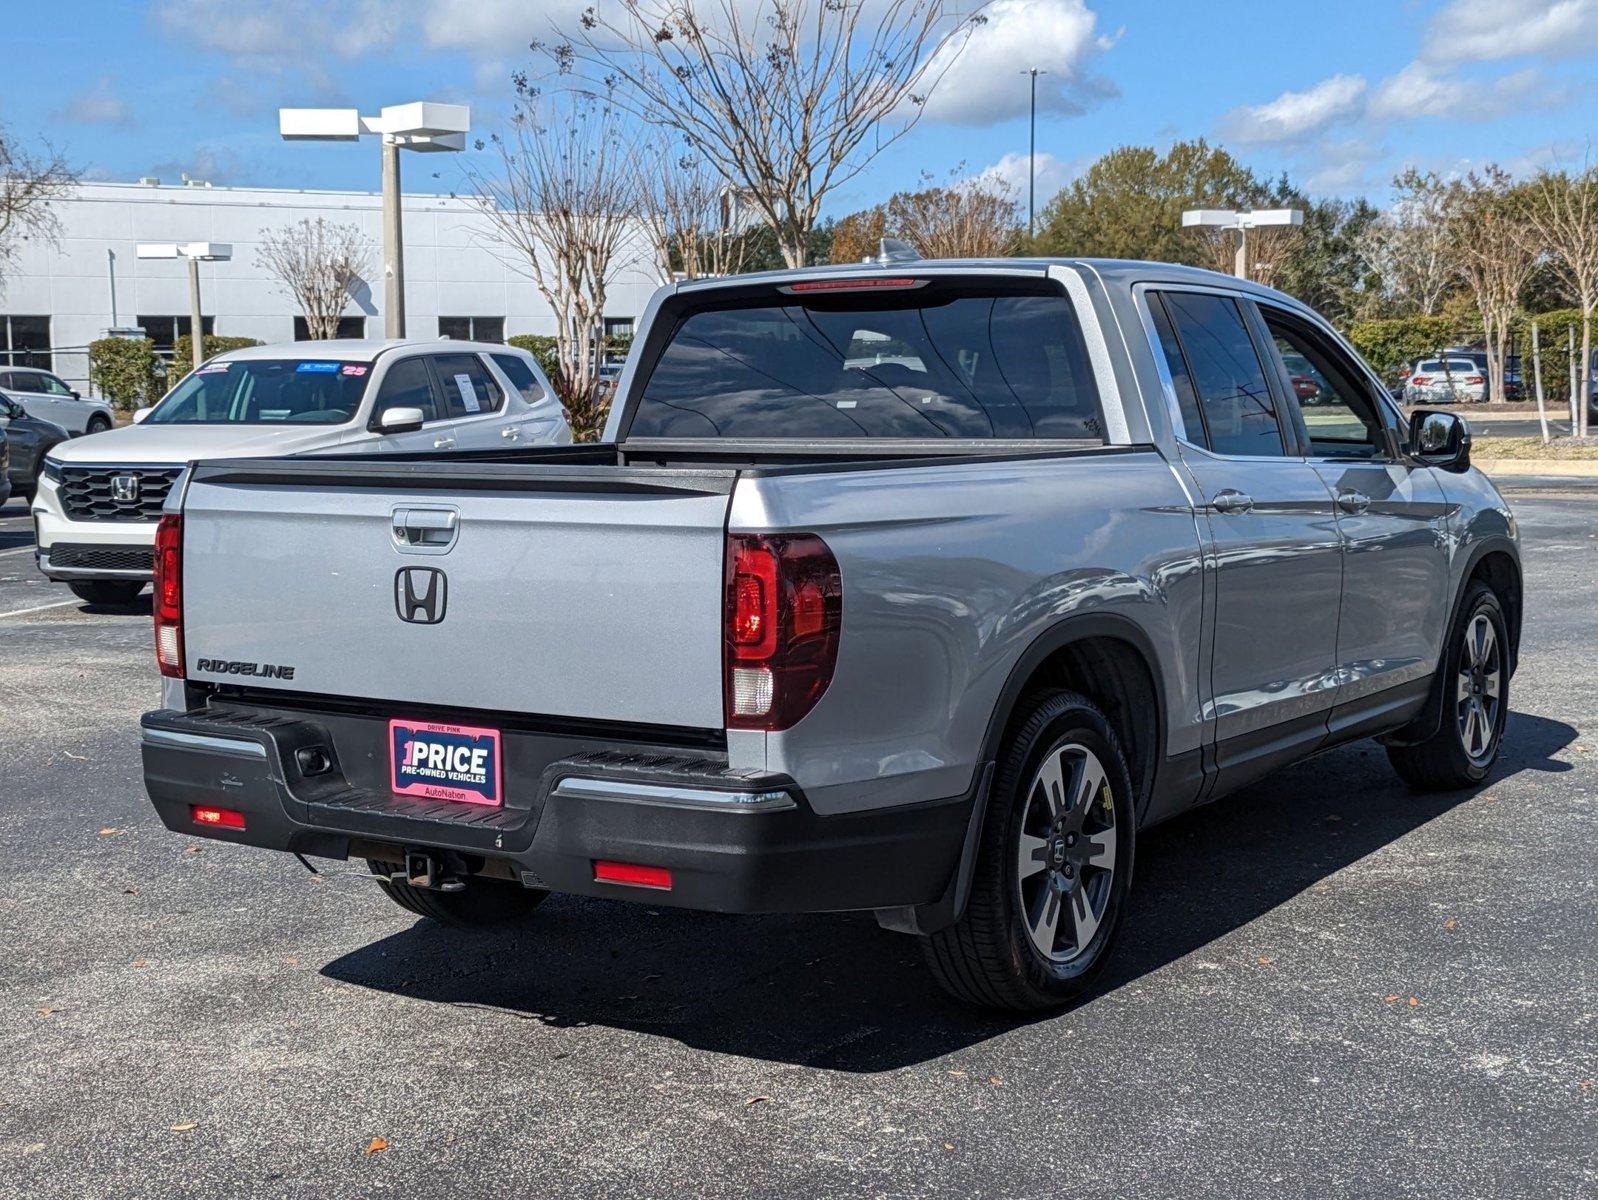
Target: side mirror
[77, 395]
[140, 413]
[1440, 439]
[400, 420]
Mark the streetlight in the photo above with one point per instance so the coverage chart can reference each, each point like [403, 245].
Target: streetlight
[196, 253]
[424, 125]
[1225, 218]
[1032, 152]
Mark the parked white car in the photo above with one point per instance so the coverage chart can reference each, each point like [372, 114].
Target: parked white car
[99, 499]
[1446, 381]
[47, 397]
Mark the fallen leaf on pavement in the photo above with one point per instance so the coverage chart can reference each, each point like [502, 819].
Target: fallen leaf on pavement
[139, 962]
[184, 1127]
[291, 960]
[33, 1147]
[958, 1074]
[46, 1012]
[76, 757]
[1393, 999]
[756, 1100]
[192, 849]
[1265, 960]
[109, 830]
[1414, 1001]
[995, 1081]
[376, 1144]
[1450, 923]
[948, 1145]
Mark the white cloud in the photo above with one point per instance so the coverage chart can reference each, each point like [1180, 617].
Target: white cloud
[1487, 30]
[1421, 91]
[1295, 115]
[983, 80]
[99, 105]
[1010, 175]
[281, 33]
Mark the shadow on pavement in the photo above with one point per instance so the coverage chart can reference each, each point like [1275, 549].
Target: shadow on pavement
[835, 992]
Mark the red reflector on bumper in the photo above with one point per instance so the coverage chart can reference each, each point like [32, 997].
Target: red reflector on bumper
[225, 818]
[632, 874]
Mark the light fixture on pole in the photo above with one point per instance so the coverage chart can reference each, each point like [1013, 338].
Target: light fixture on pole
[424, 125]
[196, 253]
[1225, 218]
[1032, 153]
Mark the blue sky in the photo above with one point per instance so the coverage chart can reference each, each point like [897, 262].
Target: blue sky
[1341, 95]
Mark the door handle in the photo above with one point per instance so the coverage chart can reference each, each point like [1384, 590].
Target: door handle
[510, 433]
[1353, 502]
[1230, 500]
[444, 443]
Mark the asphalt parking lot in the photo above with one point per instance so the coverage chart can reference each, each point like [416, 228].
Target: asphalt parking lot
[1326, 986]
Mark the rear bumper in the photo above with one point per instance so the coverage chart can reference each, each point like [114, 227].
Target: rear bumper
[733, 841]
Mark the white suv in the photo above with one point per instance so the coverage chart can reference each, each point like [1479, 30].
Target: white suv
[99, 499]
[47, 397]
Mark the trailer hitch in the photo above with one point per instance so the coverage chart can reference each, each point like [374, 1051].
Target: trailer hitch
[430, 872]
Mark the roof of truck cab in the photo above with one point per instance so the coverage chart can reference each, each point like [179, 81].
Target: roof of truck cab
[1120, 271]
[359, 349]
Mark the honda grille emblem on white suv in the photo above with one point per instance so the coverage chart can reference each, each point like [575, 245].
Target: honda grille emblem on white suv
[124, 488]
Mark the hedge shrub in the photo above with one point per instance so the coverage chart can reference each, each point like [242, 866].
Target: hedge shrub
[215, 343]
[123, 370]
[1389, 343]
[1553, 333]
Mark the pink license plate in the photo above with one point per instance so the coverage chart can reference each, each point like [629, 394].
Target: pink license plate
[445, 762]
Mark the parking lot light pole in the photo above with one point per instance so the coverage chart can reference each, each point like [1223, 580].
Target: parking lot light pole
[1242, 221]
[196, 253]
[1032, 154]
[424, 125]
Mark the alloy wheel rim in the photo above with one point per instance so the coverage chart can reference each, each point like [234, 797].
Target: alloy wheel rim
[1065, 854]
[1479, 689]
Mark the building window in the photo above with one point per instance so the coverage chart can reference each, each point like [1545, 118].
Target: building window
[25, 342]
[165, 331]
[472, 329]
[348, 327]
[618, 327]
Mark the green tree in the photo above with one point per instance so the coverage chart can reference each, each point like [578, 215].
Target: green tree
[1129, 203]
[1326, 268]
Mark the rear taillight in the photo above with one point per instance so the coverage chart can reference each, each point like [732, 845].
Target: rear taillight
[1473, 380]
[1421, 380]
[168, 603]
[784, 613]
[217, 818]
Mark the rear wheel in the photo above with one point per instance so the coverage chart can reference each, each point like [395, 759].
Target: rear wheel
[482, 902]
[1053, 866]
[1475, 683]
[103, 591]
[97, 424]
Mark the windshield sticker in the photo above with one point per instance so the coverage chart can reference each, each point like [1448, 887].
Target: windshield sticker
[463, 384]
[318, 368]
[214, 369]
[353, 369]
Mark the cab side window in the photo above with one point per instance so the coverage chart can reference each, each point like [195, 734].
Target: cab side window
[1211, 354]
[469, 390]
[407, 385]
[1331, 391]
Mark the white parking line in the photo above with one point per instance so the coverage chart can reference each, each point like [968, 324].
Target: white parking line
[18, 550]
[22, 612]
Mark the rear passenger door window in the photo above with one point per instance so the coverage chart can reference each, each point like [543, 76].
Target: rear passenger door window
[1210, 347]
[468, 389]
[407, 384]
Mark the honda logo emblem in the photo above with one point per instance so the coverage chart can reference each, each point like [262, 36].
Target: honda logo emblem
[124, 488]
[420, 594]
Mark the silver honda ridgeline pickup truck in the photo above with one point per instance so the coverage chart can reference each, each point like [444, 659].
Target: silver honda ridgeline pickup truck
[912, 587]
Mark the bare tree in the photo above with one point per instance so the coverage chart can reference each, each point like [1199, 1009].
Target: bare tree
[1409, 246]
[316, 260]
[29, 181]
[694, 217]
[786, 99]
[1267, 250]
[563, 198]
[1562, 220]
[1485, 215]
[966, 218]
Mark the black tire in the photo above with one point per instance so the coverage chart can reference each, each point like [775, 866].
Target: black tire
[989, 957]
[1448, 760]
[97, 424]
[482, 903]
[106, 591]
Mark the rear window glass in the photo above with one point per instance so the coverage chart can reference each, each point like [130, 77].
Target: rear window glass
[893, 365]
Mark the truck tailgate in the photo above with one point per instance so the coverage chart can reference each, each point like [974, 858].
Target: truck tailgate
[566, 591]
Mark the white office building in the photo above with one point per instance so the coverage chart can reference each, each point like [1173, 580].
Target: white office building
[56, 299]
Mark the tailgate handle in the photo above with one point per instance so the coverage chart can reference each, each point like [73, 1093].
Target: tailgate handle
[432, 529]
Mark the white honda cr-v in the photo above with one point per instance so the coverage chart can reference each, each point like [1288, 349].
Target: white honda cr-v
[100, 498]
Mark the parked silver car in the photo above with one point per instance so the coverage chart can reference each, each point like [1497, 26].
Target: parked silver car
[46, 396]
[1446, 381]
[918, 588]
